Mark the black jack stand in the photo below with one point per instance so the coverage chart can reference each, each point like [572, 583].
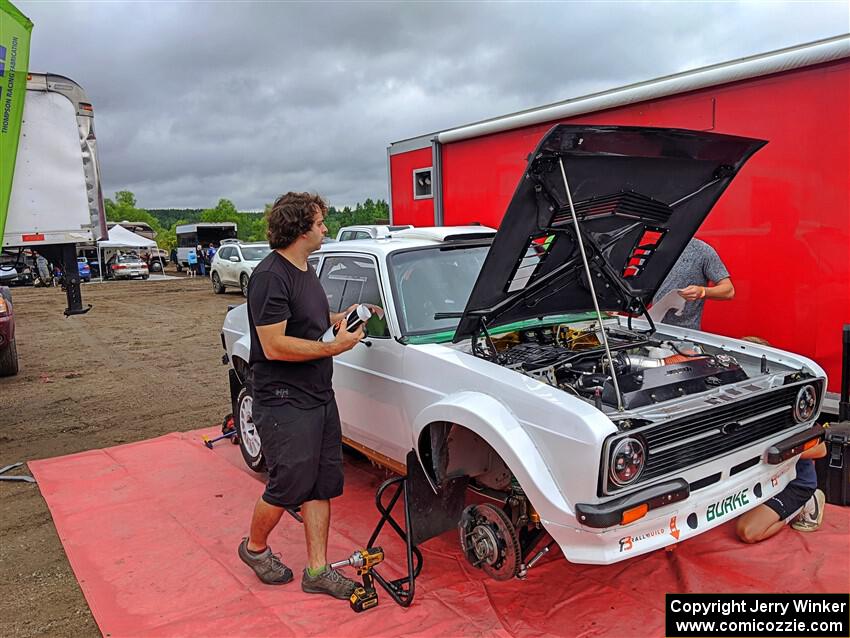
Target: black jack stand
[426, 514]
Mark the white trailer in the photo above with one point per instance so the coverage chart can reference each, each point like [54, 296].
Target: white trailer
[190, 236]
[56, 200]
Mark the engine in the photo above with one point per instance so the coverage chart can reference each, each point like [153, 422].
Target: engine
[648, 371]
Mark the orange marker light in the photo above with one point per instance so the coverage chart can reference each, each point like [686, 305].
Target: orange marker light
[633, 514]
[808, 445]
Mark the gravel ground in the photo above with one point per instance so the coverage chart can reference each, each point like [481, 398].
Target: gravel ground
[145, 361]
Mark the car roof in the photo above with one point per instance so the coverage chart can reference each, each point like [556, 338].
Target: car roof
[412, 238]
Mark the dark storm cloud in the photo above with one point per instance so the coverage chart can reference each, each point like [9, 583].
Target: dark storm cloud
[197, 101]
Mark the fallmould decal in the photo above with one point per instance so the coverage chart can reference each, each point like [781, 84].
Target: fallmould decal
[628, 542]
[727, 505]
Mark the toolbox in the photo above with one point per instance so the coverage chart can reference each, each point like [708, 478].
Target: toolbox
[834, 469]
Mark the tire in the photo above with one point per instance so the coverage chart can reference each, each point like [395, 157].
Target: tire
[145, 276]
[218, 287]
[243, 284]
[9, 360]
[249, 437]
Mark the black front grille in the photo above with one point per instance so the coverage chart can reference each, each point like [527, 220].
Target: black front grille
[700, 437]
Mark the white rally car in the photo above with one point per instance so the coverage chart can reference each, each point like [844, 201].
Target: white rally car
[526, 361]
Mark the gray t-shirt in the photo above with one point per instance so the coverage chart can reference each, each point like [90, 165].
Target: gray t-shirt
[697, 265]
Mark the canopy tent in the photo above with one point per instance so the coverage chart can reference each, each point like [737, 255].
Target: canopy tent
[120, 237]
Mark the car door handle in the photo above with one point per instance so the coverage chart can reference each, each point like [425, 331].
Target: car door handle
[366, 343]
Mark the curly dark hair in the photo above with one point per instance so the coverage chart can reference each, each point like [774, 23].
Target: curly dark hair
[291, 216]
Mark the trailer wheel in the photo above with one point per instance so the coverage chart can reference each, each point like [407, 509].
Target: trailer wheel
[9, 360]
[249, 438]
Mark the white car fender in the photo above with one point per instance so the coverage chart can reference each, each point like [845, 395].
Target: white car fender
[494, 422]
[242, 348]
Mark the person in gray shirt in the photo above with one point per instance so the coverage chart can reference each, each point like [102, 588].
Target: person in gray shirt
[698, 265]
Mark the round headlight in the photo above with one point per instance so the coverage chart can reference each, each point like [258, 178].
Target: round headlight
[627, 461]
[805, 404]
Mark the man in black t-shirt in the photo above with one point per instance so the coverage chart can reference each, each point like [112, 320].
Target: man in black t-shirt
[294, 407]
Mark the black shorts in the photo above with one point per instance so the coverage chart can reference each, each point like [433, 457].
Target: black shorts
[303, 453]
[789, 501]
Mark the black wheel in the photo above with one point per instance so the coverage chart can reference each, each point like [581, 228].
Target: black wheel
[145, 276]
[243, 284]
[179, 268]
[9, 360]
[218, 287]
[249, 437]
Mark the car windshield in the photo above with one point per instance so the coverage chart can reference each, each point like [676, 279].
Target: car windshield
[434, 280]
[255, 253]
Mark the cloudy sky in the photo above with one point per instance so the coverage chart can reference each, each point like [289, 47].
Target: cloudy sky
[195, 101]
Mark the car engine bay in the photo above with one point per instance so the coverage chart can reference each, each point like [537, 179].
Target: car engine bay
[650, 369]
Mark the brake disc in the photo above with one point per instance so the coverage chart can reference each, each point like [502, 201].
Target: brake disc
[489, 541]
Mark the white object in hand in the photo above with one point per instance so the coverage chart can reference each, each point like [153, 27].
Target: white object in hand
[359, 315]
[671, 301]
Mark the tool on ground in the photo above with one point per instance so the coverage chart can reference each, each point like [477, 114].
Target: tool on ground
[209, 442]
[363, 560]
[3, 470]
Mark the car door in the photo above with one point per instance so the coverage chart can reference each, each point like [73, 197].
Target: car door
[366, 378]
[222, 264]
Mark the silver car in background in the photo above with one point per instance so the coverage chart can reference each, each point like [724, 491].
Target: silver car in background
[234, 263]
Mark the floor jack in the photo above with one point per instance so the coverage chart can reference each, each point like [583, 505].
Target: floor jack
[228, 431]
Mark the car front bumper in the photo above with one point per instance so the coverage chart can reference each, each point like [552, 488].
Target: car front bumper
[701, 511]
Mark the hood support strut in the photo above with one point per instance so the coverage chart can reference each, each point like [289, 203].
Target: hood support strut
[592, 289]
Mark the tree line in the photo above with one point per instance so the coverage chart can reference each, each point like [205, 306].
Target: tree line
[250, 225]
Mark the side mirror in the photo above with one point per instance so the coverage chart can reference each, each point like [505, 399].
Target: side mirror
[234, 258]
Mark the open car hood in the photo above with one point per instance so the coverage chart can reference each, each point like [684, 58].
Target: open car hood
[639, 194]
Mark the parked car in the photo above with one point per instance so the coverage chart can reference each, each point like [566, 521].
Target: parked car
[84, 269]
[347, 233]
[127, 266]
[8, 350]
[492, 363]
[233, 264]
[16, 269]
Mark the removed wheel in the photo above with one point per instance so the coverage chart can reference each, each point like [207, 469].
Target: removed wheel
[489, 541]
[218, 287]
[249, 437]
[243, 283]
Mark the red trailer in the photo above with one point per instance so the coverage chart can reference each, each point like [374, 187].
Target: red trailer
[782, 227]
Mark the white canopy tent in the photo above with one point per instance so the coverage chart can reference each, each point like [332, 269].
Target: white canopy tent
[120, 237]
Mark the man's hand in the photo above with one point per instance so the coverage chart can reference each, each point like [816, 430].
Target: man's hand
[336, 317]
[346, 340]
[692, 293]
[723, 290]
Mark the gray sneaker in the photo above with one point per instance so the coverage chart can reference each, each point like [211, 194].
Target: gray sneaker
[329, 582]
[811, 517]
[266, 566]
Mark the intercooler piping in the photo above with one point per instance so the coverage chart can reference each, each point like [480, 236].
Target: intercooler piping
[592, 289]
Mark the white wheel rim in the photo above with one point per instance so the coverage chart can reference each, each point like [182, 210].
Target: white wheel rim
[247, 430]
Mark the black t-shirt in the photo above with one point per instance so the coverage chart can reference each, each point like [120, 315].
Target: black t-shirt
[279, 291]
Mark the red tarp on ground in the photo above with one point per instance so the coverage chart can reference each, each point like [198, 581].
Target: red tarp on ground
[151, 531]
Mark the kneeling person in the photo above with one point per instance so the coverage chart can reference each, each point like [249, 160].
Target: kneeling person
[800, 504]
[294, 407]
